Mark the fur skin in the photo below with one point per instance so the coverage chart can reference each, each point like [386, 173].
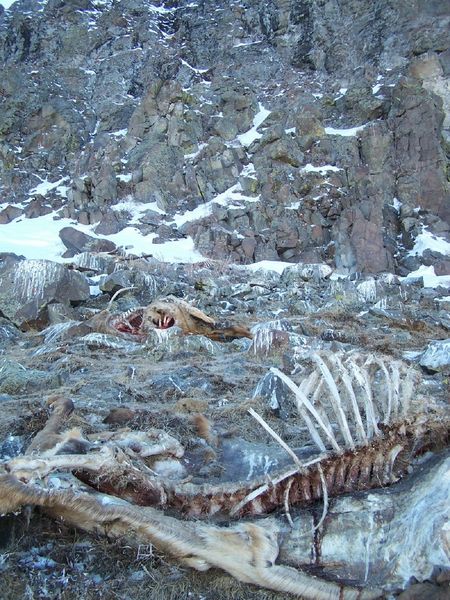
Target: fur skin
[174, 311]
[246, 551]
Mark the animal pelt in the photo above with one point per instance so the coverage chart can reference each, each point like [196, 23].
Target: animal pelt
[247, 550]
[171, 311]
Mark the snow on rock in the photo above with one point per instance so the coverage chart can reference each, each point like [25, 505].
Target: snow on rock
[46, 186]
[268, 265]
[437, 355]
[306, 272]
[39, 238]
[247, 138]
[428, 241]
[230, 197]
[352, 131]
[323, 170]
[430, 279]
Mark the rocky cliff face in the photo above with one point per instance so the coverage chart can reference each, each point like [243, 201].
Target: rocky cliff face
[308, 131]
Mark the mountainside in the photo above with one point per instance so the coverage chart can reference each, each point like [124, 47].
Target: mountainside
[224, 309]
[306, 131]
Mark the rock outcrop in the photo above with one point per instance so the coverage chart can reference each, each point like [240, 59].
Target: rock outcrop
[307, 132]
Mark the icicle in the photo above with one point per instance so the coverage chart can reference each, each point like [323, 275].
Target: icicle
[407, 391]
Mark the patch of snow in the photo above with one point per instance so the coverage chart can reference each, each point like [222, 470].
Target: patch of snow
[177, 251]
[62, 190]
[39, 239]
[323, 170]
[430, 279]
[249, 171]
[226, 198]
[241, 44]
[428, 241]
[94, 290]
[342, 92]
[291, 130]
[136, 209]
[126, 178]
[352, 131]
[252, 134]
[318, 96]
[268, 265]
[199, 71]
[18, 204]
[396, 204]
[195, 154]
[294, 206]
[119, 133]
[200, 212]
[35, 238]
[46, 186]
[376, 88]
[162, 10]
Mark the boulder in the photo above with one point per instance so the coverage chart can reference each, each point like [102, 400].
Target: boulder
[275, 394]
[27, 287]
[76, 242]
[116, 281]
[436, 357]
[15, 379]
[9, 213]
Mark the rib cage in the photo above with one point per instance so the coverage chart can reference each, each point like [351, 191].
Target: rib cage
[360, 412]
[345, 397]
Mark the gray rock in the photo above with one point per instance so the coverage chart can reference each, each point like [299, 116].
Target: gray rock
[37, 208]
[436, 357]
[10, 213]
[8, 333]
[13, 445]
[94, 262]
[16, 379]
[27, 287]
[275, 394]
[111, 223]
[76, 241]
[116, 281]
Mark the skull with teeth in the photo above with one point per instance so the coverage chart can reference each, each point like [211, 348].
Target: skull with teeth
[164, 314]
[128, 324]
[171, 311]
